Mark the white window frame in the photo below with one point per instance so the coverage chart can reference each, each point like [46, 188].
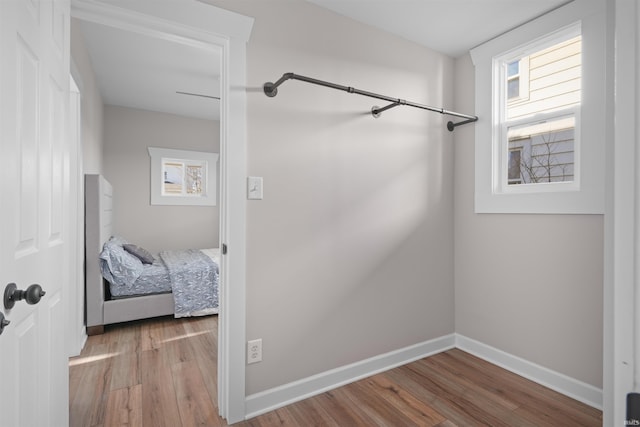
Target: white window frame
[583, 197]
[502, 149]
[208, 161]
[501, 143]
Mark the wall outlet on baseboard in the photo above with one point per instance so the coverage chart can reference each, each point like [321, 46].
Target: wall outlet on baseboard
[254, 351]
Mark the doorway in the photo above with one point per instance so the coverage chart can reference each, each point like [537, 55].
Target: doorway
[190, 22]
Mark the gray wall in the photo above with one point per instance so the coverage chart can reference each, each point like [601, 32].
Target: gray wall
[530, 285]
[91, 103]
[350, 254]
[127, 134]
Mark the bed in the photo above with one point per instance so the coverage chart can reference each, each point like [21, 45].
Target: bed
[125, 282]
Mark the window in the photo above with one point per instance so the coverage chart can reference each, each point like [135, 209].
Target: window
[513, 80]
[541, 92]
[515, 172]
[184, 177]
[518, 80]
[538, 104]
[181, 177]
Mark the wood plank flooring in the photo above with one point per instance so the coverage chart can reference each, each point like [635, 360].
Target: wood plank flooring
[157, 372]
[161, 372]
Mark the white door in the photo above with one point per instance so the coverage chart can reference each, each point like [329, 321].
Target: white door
[34, 158]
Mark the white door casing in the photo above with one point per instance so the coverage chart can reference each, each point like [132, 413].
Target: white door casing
[76, 331]
[622, 232]
[34, 159]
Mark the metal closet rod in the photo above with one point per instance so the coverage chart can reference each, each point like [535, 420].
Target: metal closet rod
[271, 90]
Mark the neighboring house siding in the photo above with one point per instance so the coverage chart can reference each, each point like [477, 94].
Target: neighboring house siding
[554, 80]
[542, 157]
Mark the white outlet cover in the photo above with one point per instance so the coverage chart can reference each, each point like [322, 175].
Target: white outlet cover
[254, 351]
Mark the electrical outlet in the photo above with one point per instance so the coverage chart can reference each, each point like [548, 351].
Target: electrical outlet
[254, 351]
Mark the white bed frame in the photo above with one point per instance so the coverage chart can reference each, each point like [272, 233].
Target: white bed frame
[98, 229]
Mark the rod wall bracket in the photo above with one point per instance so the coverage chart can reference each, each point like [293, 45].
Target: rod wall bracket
[270, 89]
[451, 126]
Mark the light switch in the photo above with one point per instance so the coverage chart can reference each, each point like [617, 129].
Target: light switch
[254, 188]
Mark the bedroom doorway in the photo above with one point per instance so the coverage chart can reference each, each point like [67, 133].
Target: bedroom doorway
[190, 22]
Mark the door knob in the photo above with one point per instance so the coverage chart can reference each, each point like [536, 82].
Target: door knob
[3, 322]
[12, 294]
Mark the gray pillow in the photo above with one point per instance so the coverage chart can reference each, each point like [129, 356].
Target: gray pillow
[140, 253]
[118, 266]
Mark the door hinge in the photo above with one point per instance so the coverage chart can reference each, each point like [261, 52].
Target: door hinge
[224, 249]
[633, 409]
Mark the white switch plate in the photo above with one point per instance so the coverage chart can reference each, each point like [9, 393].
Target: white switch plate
[254, 188]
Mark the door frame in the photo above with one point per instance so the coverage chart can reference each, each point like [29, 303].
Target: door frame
[622, 224]
[191, 22]
[75, 288]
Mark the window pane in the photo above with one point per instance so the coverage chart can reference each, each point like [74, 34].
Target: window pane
[514, 166]
[551, 77]
[513, 88]
[194, 179]
[545, 151]
[172, 173]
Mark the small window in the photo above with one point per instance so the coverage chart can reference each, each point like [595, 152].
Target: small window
[538, 100]
[518, 80]
[515, 172]
[513, 80]
[181, 177]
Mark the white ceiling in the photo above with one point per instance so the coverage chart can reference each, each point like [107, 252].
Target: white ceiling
[138, 71]
[143, 72]
[452, 27]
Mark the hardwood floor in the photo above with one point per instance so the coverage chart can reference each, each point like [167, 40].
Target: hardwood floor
[161, 372]
[158, 372]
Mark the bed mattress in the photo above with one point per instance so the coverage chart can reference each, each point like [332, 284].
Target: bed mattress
[154, 279]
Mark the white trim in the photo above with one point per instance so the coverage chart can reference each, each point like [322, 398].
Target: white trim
[622, 225]
[76, 76]
[278, 397]
[191, 22]
[76, 286]
[561, 383]
[233, 172]
[172, 21]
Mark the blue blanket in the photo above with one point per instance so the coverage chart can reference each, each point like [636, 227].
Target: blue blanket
[194, 282]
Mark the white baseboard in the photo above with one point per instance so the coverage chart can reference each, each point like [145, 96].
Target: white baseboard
[286, 394]
[269, 400]
[561, 383]
[83, 338]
